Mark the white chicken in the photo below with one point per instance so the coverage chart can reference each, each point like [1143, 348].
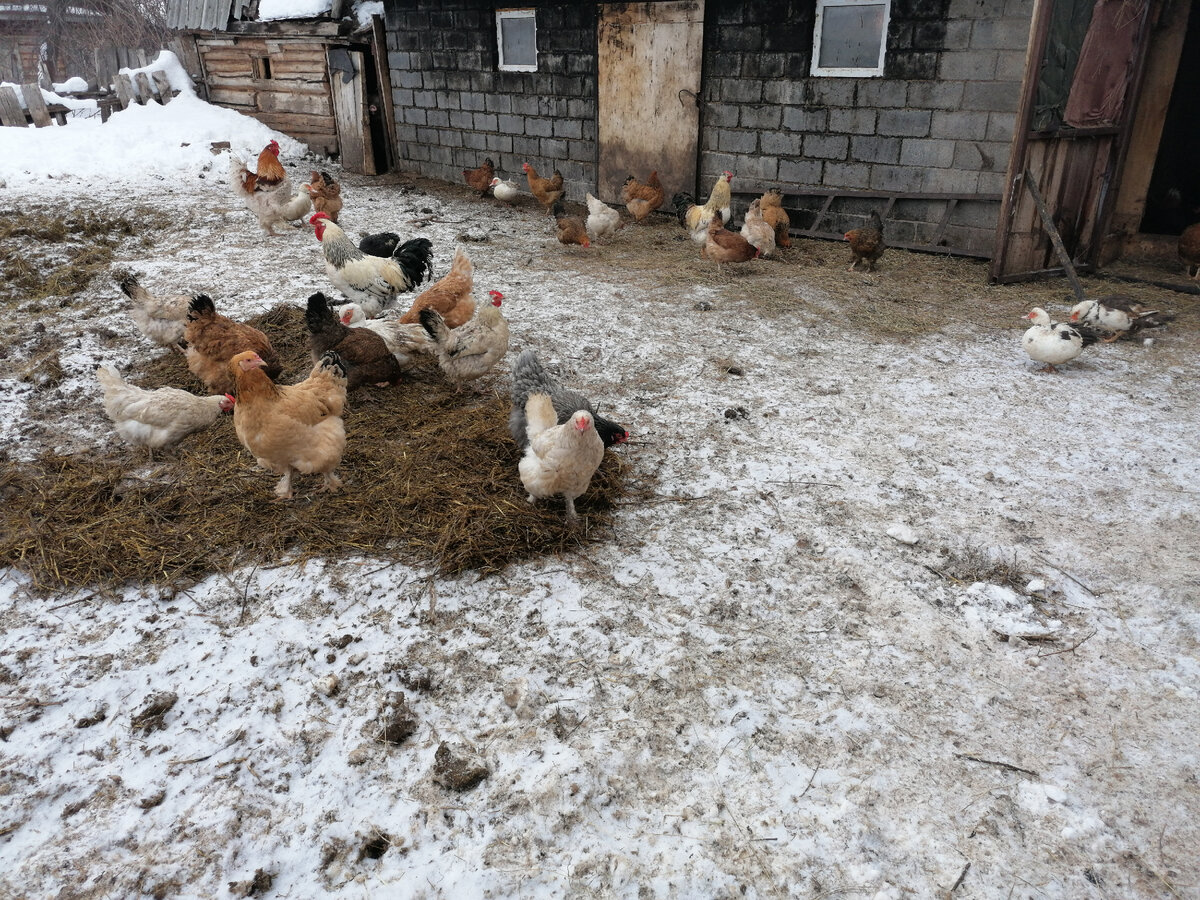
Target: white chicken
[274, 204]
[473, 349]
[371, 281]
[409, 343]
[1111, 318]
[158, 418]
[560, 459]
[161, 319]
[1050, 342]
[602, 219]
[505, 190]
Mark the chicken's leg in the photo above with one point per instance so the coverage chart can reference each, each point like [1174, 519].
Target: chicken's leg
[283, 490]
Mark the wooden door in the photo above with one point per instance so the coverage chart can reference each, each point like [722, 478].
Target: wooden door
[347, 86]
[649, 58]
[1077, 107]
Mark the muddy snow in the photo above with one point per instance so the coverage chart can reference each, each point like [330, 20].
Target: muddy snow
[903, 617]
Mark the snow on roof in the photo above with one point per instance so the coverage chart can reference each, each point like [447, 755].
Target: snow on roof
[269, 10]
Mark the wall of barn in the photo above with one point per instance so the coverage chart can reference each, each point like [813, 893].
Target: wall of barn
[453, 107]
[940, 120]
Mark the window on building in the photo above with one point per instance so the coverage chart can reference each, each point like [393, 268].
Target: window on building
[516, 35]
[260, 67]
[850, 37]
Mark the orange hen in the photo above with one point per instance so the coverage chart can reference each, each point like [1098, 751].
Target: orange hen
[866, 244]
[480, 178]
[642, 199]
[450, 296]
[547, 191]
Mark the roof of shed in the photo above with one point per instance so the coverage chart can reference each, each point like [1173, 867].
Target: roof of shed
[216, 15]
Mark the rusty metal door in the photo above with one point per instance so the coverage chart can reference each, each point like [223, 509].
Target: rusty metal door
[649, 84]
[1077, 107]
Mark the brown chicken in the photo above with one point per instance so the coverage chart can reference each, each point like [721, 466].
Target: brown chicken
[268, 174]
[643, 199]
[480, 179]
[547, 191]
[776, 216]
[450, 296]
[1189, 250]
[365, 354]
[723, 246]
[326, 194]
[866, 243]
[213, 340]
[569, 229]
[292, 428]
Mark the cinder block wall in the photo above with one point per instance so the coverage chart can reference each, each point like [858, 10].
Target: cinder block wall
[940, 120]
[453, 107]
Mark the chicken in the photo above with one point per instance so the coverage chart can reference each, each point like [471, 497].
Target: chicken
[1050, 342]
[372, 281]
[292, 428]
[325, 193]
[776, 216]
[213, 340]
[161, 319]
[529, 377]
[1113, 317]
[866, 243]
[569, 229]
[504, 190]
[480, 179]
[408, 343]
[719, 198]
[547, 191]
[756, 230]
[723, 246]
[272, 202]
[470, 351]
[450, 295]
[1189, 250]
[365, 355]
[268, 173]
[642, 199]
[602, 219]
[560, 459]
[157, 418]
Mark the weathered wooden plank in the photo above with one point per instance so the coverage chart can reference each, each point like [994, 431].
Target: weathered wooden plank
[350, 110]
[291, 101]
[240, 99]
[277, 85]
[291, 123]
[124, 90]
[36, 104]
[163, 83]
[11, 113]
[144, 87]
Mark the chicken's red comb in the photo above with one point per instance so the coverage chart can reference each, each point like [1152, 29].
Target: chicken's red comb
[318, 216]
[496, 294]
[231, 398]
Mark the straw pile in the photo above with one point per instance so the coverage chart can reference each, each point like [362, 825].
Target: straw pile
[430, 479]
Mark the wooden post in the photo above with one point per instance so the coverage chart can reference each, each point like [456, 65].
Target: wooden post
[145, 89]
[1064, 258]
[10, 109]
[124, 90]
[36, 104]
[164, 87]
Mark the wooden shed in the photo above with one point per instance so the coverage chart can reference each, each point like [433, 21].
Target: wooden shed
[322, 80]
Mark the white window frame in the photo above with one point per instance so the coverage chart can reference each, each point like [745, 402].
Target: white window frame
[829, 71]
[501, 15]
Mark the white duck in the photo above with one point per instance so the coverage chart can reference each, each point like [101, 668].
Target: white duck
[1050, 342]
[504, 190]
[1115, 316]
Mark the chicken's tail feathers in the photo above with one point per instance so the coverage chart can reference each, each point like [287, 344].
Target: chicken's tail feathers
[539, 414]
[131, 287]
[201, 305]
[529, 376]
[317, 313]
[108, 376]
[237, 176]
[434, 325]
[415, 258]
[331, 360]
[876, 221]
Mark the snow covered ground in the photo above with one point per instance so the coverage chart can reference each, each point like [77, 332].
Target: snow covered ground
[806, 670]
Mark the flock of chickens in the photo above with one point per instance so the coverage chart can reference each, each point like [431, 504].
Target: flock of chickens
[298, 428]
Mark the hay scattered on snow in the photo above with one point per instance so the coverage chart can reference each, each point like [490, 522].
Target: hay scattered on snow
[430, 479]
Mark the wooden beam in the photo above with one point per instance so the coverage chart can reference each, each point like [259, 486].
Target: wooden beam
[1055, 239]
[36, 104]
[124, 90]
[164, 87]
[11, 113]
